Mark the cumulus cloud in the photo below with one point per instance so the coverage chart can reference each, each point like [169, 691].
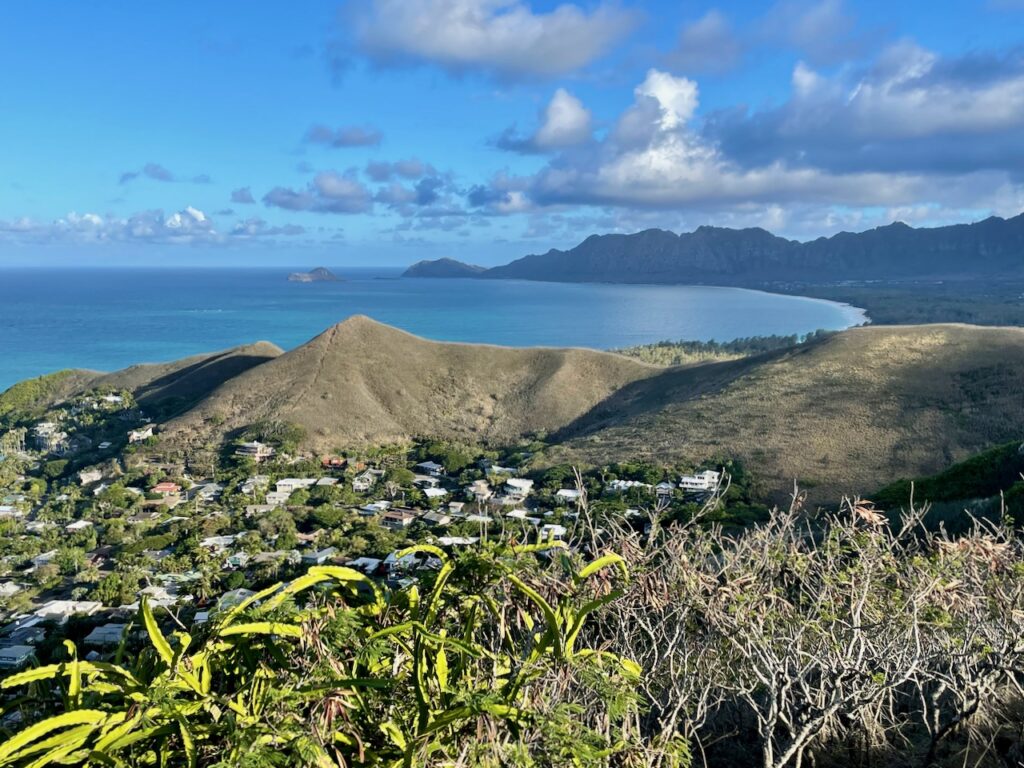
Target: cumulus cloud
[911, 110]
[410, 169]
[189, 225]
[654, 157]
[564, 122]
[157, 172]
[344, 136]
[242, 195]
[506, 38]
[257, 227]
[707, 45]
[328, 192]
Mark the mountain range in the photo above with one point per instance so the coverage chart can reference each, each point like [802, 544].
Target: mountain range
[847, 413]
[988, 249]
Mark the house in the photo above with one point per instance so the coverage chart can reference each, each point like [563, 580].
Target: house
[333, 462]
[256, 451]
[324, 482]
[435, 493]
[290, 485]
[10, 511]
[483, 519]
[43, 435]
[27, 632]
[277, 498]
[618, 486]
[44, 559]
[166, 489]
[107, 634]
[140, 434]
[522, 514]
[457, 541]
[207, 492]
[664, 489]
[479, 490]
[437, 518]
[237, 560]
[702, 482]
[319, 557]
[90, 476]
[254, 483]
[78, 525]
[9, 588]
[61, 610]
[431, 468]
[455, 507]
[370, 510]
[552, 532]
[259, 509]
[396, 519]
[365, 481]
[16, 656]
[218, 543]
[425, 481]
[518, 488]
[568, 496]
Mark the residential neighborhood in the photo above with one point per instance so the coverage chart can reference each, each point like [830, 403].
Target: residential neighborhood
[97, 517]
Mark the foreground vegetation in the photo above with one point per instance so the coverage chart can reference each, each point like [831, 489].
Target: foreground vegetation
[824, 640]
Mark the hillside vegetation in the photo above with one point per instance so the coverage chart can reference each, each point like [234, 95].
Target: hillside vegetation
[689, 352]
[850, 412]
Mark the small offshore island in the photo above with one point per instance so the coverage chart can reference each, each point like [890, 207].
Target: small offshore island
[318, 275]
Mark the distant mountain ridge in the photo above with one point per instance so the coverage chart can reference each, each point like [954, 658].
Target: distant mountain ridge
[990, 248]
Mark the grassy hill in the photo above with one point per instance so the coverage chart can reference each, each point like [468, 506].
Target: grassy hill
[162, 388]
[362, 382]
[845, 414]
[848, 413]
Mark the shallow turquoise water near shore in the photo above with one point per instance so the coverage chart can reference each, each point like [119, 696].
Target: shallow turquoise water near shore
[109, 319]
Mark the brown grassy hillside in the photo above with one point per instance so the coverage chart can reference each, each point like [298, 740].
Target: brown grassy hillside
[187, 381]
[362, 382]
[843, 415]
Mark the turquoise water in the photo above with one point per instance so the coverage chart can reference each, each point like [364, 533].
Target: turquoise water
[109, 319]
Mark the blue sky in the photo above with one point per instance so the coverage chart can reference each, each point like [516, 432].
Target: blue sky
[380, 132]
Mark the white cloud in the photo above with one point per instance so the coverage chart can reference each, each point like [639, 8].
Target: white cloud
[564, 122]
[329, 192]
[911, 110]
[501, 37]
[187, 226]
[655, 157]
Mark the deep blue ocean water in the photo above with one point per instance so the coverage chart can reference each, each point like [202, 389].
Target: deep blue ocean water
[105, 319]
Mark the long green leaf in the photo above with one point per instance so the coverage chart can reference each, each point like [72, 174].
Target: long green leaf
[156, 637]
[49, 725]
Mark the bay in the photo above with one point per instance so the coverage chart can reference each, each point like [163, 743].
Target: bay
[106, 319]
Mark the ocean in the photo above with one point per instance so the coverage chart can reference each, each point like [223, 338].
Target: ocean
[106, 319]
